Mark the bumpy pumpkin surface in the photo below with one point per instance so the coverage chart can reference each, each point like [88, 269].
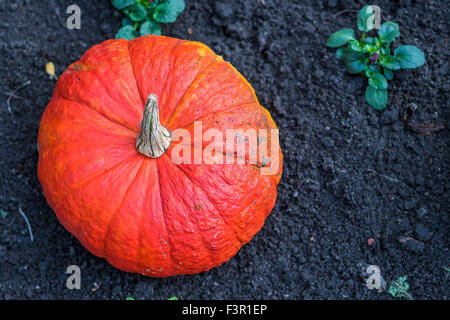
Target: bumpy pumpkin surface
[142, 214]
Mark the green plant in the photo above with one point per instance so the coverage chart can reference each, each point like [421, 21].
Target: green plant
[399, 288]
[3, 213]
[143, 17]
[371, 56]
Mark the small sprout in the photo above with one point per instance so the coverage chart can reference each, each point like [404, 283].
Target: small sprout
[173, 298]
[130, 298]
[50, 69]
[143, 17]
[371, 56]
[27, 222]
[399, 288]
[3, 213]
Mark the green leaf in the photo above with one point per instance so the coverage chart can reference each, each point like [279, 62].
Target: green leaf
[341, 37]
[340, 52]
[354, 62]
[127, 22]
[122, 4]
[150, 27]
[153, 4]
[366, 18]
[369, 48]
[409, 57]
[385, 51]
[388, 31]
[388, 74]
[374, 67]
[368, 73]
[168, 11]
[399, 288]
[390, 62]
[378, 42]
[173, 298]
[355, 45]
[126, 32]
[136, 12]
[378, 81]
[130, 298]
[369, 40]
[3, 213]
[376, 98]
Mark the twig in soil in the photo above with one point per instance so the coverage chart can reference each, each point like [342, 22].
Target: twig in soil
[426, 128]
[28, 223]
[383, 176]
[11, 94]
[276, 218]
[8, 101]
[341, 12]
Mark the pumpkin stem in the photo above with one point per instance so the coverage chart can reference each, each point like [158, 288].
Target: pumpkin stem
[153, 139]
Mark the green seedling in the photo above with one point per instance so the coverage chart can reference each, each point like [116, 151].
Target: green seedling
[3, 213]
[143, 17]
[399, 288]
[372, 56]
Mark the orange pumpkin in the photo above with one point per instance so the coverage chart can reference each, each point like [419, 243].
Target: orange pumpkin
[105, 156]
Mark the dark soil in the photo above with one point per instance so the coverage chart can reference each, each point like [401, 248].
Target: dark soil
[350, 173]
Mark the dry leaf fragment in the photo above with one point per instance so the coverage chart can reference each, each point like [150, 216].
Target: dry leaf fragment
[426, 128]
[50, 69]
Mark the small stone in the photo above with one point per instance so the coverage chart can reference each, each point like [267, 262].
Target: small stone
[332, 3]
[422, 233]
[421, 212]
[412, 244]
[347, 3]
[224, 10]
[389, 116]
[263, 35]
[309, 27]
[410, 204]
[403, 224]
[319, 73]
[239, 30]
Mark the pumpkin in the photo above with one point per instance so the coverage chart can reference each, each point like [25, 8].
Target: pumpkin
[105, 156]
